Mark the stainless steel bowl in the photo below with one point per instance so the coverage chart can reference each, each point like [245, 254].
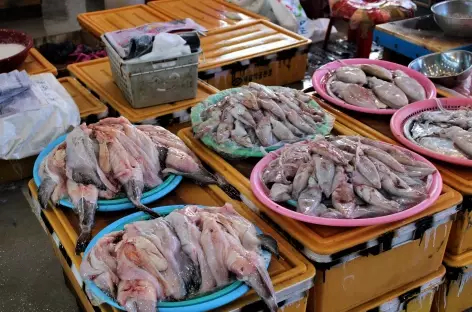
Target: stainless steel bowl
[445, 68]
[454, 17]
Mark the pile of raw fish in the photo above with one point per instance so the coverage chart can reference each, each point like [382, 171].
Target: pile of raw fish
[347, 177]
[257, 116]
[447, 132]
[189, 252]
[110, 157]
[372, 86]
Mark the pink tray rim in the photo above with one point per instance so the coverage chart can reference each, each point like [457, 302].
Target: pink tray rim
[258, 190]
[402, 115]
[319, 83]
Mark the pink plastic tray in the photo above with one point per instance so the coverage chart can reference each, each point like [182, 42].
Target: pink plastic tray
[321, 76]
[404, 114]
[259, 190]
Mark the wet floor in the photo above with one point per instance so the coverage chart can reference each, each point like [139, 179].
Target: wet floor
[31, 277]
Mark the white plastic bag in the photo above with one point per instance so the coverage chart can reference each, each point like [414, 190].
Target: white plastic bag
[286, 13]
[26, 133]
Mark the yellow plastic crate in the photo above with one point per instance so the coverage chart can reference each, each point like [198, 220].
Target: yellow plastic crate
[417, 296]
[355, 264]
[97, 76]
[89, 106]
[458, 177]
[456, 293]
[35, 63]
[214, 15]
[100, 22]
[259, 51]
[292, 275]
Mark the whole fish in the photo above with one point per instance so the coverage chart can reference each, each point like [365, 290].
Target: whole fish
[264, 132]
[351, 74]
[377, 71]
[280, 131]
[295, 118]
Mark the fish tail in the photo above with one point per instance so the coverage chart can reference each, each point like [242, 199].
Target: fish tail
[86, 211]
[134, 191]
[201, 177]
[270, 244]
[147, 210]
[230, 190]
[45, 191]
[82, 242]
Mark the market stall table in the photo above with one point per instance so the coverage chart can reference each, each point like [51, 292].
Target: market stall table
[214, 15]
[416, 37]
[35, 63]
[96, 75]
[351, 262]
[90, 108]
[458, 177]
[291, 274]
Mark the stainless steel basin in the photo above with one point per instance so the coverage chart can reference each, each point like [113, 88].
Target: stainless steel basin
[445, 68]
[454, 17]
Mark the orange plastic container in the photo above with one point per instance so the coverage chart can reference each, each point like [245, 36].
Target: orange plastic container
[100, 22]
[35, 63]
[259, 51]
[292, 275]
[417, 296]
[89, 106]
[355, 264]
[456, 292]
[90, 109]
[96, 75]
[460, 178]
[214, 15]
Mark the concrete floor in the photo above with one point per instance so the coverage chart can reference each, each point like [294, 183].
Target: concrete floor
[30, 275]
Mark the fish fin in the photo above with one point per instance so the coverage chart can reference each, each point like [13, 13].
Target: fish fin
[82, 242]
[45, 191]
[270, 244]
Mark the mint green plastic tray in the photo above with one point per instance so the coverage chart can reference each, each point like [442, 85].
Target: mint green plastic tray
[233, 150]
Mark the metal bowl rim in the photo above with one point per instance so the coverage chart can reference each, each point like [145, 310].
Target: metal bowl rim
[447, 16]
[439, 77]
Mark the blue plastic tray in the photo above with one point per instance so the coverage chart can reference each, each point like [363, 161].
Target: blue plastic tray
[169, 184]
[197, 304]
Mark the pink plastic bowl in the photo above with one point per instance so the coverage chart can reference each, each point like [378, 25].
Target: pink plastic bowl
[405, 113]
[12, 36]
[259, 190]
[321, 76]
